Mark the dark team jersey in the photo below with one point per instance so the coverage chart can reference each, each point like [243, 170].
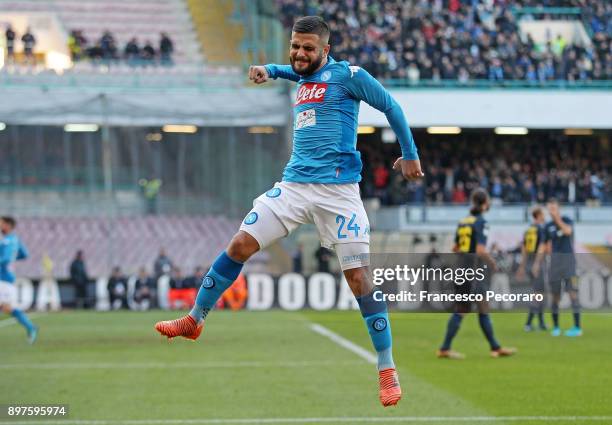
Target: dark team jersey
[563, 261]
[471, 231]
[532, 238]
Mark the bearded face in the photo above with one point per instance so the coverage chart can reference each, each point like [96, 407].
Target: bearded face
[306, 53]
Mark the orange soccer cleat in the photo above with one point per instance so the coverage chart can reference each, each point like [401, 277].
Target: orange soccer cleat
[185, 327]
[390, 391]
[449, 354]
[503, 352]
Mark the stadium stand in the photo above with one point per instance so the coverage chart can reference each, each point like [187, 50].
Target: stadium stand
[571, 171]
[145, 20]
[462, 40]
[127, 242]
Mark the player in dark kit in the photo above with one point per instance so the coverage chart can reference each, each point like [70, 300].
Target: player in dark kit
[471, 238]
[533, 240]
[562, 274]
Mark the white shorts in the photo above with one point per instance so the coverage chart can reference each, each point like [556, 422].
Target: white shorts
[8, 294]
[335, 209]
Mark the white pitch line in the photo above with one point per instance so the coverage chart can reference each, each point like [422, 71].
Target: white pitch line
[368, 356]
[340, 419]
[173, 365]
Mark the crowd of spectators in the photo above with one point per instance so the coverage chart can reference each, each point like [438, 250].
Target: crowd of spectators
[144, 295]
[105, 50]
[459, 39]
[572, 172]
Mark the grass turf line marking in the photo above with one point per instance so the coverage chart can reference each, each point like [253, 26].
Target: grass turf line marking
[176, 365]
[368, 356]
[341, 419]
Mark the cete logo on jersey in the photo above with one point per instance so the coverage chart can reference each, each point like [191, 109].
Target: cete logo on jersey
[311, 93]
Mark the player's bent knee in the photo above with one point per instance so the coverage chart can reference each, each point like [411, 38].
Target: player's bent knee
[242, 246]
[359, 281]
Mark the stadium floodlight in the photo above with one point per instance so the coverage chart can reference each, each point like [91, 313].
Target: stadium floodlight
[179, 128]
[366, 129]
[515, 131]
[262, 130]
[578, 132]
[444, 130]
[81, 128]
[2, 126]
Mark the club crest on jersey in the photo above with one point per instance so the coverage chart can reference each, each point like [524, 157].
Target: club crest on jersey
[326, 75]
[311, 93]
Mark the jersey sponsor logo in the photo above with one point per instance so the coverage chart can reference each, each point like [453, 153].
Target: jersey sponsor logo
[311, 93]
[305, 118]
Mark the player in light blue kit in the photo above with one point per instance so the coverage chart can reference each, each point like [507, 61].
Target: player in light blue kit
[320, 186]
[11, 250]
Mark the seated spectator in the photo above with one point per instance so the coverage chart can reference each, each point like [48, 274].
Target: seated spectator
[10, 43]
[180, 295]
[29, 42]
[117, 290]
[144, 289]
[132, 52]
[166, 48]
[195, 280]
[147, 55]
[459, 196]
[108, 46]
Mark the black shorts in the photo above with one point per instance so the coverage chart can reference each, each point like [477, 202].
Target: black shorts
[569, 284]
[537, 282]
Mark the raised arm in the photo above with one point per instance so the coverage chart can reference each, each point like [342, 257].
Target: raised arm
[361, 85]
[260, 74]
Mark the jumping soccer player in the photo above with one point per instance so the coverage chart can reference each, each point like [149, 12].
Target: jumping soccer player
[319, 186]
[533, 239]
[11, 250]
[471, 241]
[559, 233]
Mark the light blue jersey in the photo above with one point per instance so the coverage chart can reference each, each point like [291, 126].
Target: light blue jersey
[11, 250]
[325, 117]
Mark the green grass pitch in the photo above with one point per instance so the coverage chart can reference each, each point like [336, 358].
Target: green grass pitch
[270, 365]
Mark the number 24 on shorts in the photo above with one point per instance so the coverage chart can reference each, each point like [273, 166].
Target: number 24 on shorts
[351, 227]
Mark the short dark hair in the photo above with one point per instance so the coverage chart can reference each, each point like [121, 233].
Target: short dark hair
[312, 25]
[9, 220]
[479, 197]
